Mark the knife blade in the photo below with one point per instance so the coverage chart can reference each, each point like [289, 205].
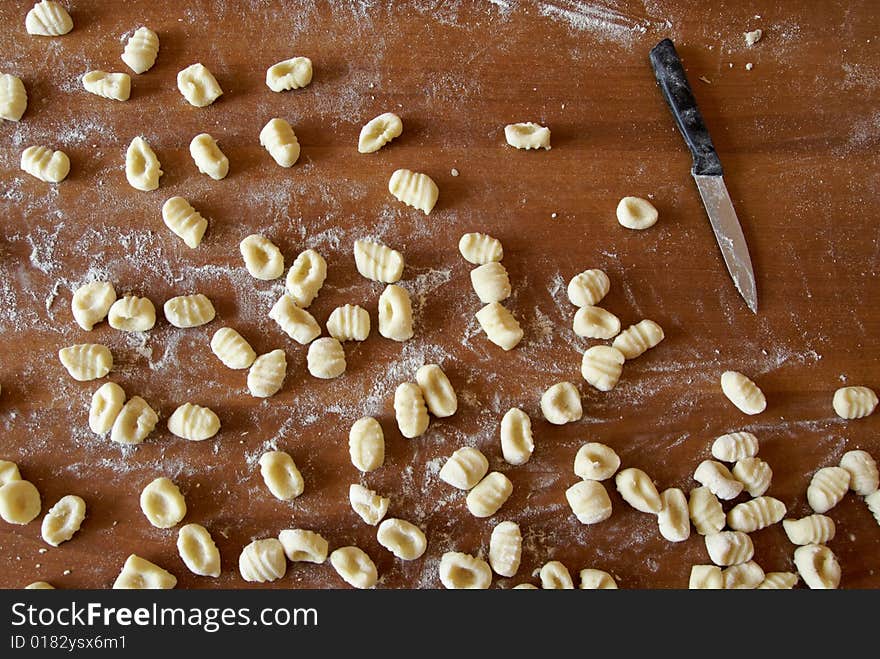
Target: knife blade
[706, 169]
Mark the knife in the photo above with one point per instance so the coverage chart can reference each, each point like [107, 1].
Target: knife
[706, 169]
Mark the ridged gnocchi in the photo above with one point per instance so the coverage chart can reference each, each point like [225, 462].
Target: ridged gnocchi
[106, 404]
[414, 189]
[403, 539]
[437, 391]
[379, 131]
[589, 501]
[505, 549]
[463, 571]
[673, 520]
[134, 422]
[326, 358]
[262, 561]
[743, 392]
[138, 574]
[827, 488]
[500, 326]
[595, 323]
[162, 503]
[266, 374]
[197, 550]
[517, 443]
[297, 323]
[718, 478]
[184, 221]
[262, 258]
[735, 446]
[301, 545]
[745, 576]
[278, 138]
[410, 410]
[395, 314]
[354, 566]
[587, 288]
[480, 248]
[636, 213]
[811, 530]
[487, 496]
[13, 97]
[45, 164]
[131, 313]
[706, 577]
[186, 311]
[601, 367]
[873, 503]
[141, 50]
[756, 514]
[208, 157]
[593, 579]
[729, 547]
[349, 323]
[232, 348]
[818, 567]
[854, 402]
[527, 135]
[555, 576]
[378, 262]
[193, 422]
[638, 490]
[20, 502]
[778, 581]
[368, 504]
[293, 73]
[864, 478]
[198, 85]
[281, 475]
[114, 86]
[86, 361]
[491, 282]
[754, 474]
[706, 512]
[91, 302]
[366, 444]
[561, 404]
[464, 468]
[637, 339]
[306, 277]
[596, 462]
[48, 19]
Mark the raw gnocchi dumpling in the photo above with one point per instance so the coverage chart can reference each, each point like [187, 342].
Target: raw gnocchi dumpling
[326, 358]
[718, 479]
[706, 577]
[395, 314]
[354, 566]
[589, 501]
[595, 323]
[266, 374]
[517, 444]
[262, 561]
[198, 551]
[754, 474]
[593, 579]
[673, 519]
[756, 514]
[20, 502]
[561, 404]
[778, 581]
[706, 512]
[827, 488]
[487, 496]
[134, 422]
[45, 164]
[505, 549]
[864, 478]
[115, 86]
[91, 302]
[184, 220]
[596, 462]
[138, 573]
[281, 475]
[817, 566]
[198, 85]
[854, 402]
[729, 547]
[9, 472]
[437, 391]
[414, 189]
[39, 585]
[527, 135]
[232, 348]
[735, 446]
[369, 505]
[601, 367]
[636, 339]
[208, 157]
[189, 310]
[403, 539]
[463, 571]
[379, 131]
[349, 323]
[480, 248]
[743, 392]
[555, 576]
[811, 530]
[588, 288]
[366, 444]
[636, 213]
[13, 97]
[745, 576]
[142, 169]
[301, 545]
[131, 313]
[48, 19]
[278, 138]
[141, 50]
[873, 503]
[193, 422]
[410, 410]
[297, 323]
[106, 404]
[377, 261]
[464, 468]
[306, 277]
[63, 519]
[490, 282]
[293, 73]
[638, 490]
[500, 326]
[162, 503]
[262, 258]
[86, 361]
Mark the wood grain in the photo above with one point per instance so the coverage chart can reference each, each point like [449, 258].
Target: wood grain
[798, 136]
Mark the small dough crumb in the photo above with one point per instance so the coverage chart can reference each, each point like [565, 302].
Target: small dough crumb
[753, 37]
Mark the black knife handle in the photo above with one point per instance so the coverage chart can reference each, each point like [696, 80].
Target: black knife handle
[677, 92]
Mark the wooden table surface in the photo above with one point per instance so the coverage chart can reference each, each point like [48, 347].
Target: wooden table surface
[798, 135]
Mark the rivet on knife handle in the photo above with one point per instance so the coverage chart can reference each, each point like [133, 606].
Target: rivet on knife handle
[677, 92]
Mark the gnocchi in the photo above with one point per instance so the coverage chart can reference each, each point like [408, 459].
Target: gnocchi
[142, 169]
[208, 157]
[13, 97]
[817, 566]
[463, 571]
[114, 86]
[487, 496]
[505, 549]
[706, 512]
[162, 503]
[349, 323]
[500, 326]
[827, 488]
[395, 314]
[464, 468]
[437, 391]
[134, 422]
[326, 358]
[355, 567]
[86, 361]
[20, 502]
[864, 477]
[743, 393]
[718, 478]
[490, 282]
[306, 277]
[811, 530]
[138, 573]
[293, 73]
[301, 545]
[873, 503]
[754, 474]
[854, 402]
[198, 85]
[745, 576]
[184, 221]
[414, 189]
[778, 581]
[45, 164]
[106, 404]
[39, 585]
[595, 323]
[232, 349]
[706, 577]
[193, 422]
[278, 138]
[197, 550]
[636, 213]
[756, 514]
[91, 302]
[366, 444]
[131, 313]
[378, 262]
[593, 579]
[369, 505]
[637, 339]
[403, 539]
[528, 135]
[735, 446]
[379, 131]
[601, 367]
[589, 501]
[9, 472]
[555, 576]
[410, 410]
[638, 490]
[588, 288]
[673, 519]
[517, 444]
[281, 475]
[63, 520]
[48, 19]
[729, 547]
[480, 248]
[561, 404]
[297, 323]
[141, 50]
[262, 561]
[266, 374]
[596, 462]
[189, 310]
